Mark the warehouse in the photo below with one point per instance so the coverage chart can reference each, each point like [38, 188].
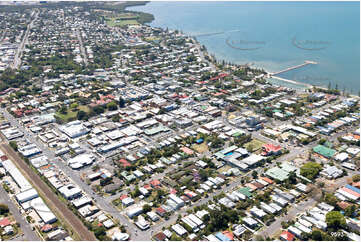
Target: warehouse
[16, 175]
[12, 133]
[29, 150]
[70, 191]
[81, 161]
[26, 195]
[74, 129]
[43, 211]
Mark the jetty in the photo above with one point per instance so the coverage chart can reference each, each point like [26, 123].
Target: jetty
[214, 33]
[307, 62]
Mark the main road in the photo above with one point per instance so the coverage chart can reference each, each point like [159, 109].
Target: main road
[19, 52]
[44, 190]
[74, 176]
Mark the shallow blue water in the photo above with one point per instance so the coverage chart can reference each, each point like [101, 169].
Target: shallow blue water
[274, 35]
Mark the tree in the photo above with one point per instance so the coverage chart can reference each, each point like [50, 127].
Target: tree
[322, 141]
[250, 147]
[310, 170]
[203, 174]
[350, 210]
[116, 118]
[254, 174]
[4, 209]
[146, 208]
[13, 145]
[112, 106]
[74, 105]
[81, 115]
[98, 109]
[335, 219]
[330, 199]
[100, 232]
[356, 178]
[62, 110]
[95, 167]
[174, 237]
[121, 102]
[316, 235]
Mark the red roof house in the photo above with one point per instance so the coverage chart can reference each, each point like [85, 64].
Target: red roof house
[287, 236]
[148, 187]
[155, 183]
[160, 211]
[271, 149]
[160, 236]
[228, 234]
[4, 222]
[124, 163]
[266, 179]
[356, 184]
[187, 150]
[46, 228]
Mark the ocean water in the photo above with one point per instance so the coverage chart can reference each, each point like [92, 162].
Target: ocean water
[274, 35]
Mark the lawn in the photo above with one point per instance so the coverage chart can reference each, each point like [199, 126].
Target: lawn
[152, 38]
[255, 144]
[201, 147]
[71, 113]
[122, 20]
[224, 168]
[118, 204]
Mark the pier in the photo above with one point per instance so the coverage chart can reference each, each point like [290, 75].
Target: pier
[214, 33]
[307, 62]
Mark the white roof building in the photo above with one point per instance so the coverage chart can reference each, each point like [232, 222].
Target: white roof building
[14, 172]
[70, 191]
[26, 195]
[74, 129]
[43, 211]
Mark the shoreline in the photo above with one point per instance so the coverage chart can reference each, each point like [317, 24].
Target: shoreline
[217, 59]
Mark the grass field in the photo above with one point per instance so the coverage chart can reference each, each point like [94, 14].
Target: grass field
[201, 147]
[153, 38]
[122, 20]
[71, 113]
[255, 144]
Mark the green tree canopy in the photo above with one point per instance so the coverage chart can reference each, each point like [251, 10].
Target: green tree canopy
[81, 115]
[335, 219]
[310, 170]
[147, 208]
[112, 106]
[3, 208]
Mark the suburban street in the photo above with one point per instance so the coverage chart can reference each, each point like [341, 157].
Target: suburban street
[298, 208]
[82, 49]
[3, 35]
